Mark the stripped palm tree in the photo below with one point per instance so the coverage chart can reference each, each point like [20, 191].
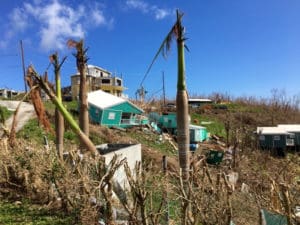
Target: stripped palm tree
[59, 120]
[35, 78]
[81, 61]
[177, 32]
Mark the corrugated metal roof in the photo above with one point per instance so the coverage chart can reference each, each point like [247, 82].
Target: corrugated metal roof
[196, 127]
[290, 127]
[104, 100]
[271, 130]
[199, 100]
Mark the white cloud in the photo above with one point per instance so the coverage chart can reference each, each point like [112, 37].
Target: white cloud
[57, 22]
[138, 4]
[161, 13]
[18, 20]
[98, 18]
[144, 7]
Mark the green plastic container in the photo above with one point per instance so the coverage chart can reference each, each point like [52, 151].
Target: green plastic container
[214, 157]
[269, 218]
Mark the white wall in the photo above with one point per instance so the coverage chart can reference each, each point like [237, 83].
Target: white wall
[133, 154]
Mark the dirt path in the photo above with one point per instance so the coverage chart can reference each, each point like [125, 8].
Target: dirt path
[26, 112]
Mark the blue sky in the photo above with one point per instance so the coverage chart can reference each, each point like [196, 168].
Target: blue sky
[237, 47]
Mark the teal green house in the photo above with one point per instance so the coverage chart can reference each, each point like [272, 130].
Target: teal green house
[165, 121]
[112, 111]
[168, 121]
[197, 133]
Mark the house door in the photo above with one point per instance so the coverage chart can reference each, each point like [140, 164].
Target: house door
[126, 118]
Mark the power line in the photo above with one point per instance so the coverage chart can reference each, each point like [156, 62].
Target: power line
[154, 93]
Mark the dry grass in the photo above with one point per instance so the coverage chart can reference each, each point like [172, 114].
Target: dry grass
[32, 171]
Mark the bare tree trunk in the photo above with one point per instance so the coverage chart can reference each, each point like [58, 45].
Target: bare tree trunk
[81, 61]
[183, 135]
[59, 120]
[38, 104]
[83, 138]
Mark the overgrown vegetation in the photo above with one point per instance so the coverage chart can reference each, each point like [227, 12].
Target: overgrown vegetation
[27, 213]
[214, 125]
[152, 140]
[25, 177]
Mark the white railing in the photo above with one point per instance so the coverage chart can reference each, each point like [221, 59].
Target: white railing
[131, 121]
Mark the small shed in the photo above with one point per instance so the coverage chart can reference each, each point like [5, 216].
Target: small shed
[197, 133]
[292, 128]
[274, 138]
[109, 110]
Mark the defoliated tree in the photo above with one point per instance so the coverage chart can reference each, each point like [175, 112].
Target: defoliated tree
[59, 119]
[177, 32]
[81, 60]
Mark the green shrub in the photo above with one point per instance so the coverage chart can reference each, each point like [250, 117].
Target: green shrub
[33, 131]
[26, 213]
[4, 114]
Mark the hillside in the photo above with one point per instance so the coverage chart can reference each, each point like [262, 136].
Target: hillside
[263, 178]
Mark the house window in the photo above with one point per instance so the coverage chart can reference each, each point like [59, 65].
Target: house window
[261, 137]
[118, 82]
[290, 142]
[106, 81]
[276, 138]
[111, 116]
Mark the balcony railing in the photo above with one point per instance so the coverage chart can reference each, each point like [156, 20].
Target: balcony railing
[131, 121]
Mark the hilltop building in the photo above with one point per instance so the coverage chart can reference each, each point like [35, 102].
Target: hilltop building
[8, 93]
[97, 78]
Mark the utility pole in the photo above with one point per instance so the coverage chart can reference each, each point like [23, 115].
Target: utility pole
[164, 90]
[23, 65]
